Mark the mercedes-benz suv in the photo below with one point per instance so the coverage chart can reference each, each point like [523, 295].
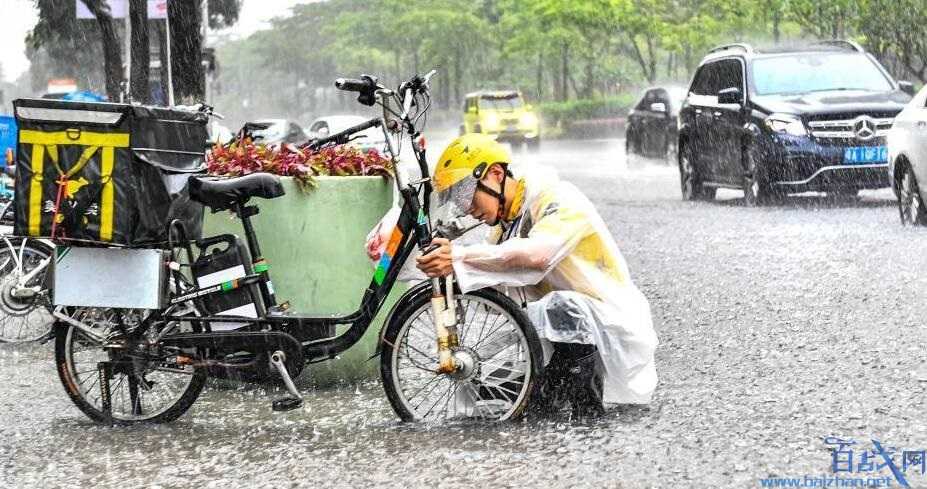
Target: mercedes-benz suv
[774, 122]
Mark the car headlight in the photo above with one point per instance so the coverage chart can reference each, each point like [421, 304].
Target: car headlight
[786, 124]
[529, 120]
[491, 120]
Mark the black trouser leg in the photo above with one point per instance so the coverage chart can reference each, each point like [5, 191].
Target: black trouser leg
[571, 378]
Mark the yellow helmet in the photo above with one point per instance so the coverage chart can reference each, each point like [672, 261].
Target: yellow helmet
[461, 166]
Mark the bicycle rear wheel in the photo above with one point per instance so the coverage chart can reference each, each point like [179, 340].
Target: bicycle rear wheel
[500, 356]
[24, 302]
[145, 385]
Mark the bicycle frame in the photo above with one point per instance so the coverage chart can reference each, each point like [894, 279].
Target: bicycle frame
[406, 235]
[413, 229]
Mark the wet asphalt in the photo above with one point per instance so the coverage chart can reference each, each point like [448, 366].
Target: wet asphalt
[779, 326]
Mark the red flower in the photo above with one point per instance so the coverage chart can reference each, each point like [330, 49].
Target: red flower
[243, 158]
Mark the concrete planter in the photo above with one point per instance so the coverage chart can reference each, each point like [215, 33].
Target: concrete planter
[314, 243]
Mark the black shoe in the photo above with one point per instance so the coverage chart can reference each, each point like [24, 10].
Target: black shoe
[551, 393]
[587, 385]
[569, 381]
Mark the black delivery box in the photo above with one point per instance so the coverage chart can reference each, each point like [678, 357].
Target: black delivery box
[113, 173]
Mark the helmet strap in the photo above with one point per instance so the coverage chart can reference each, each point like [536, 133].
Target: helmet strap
[500, 196]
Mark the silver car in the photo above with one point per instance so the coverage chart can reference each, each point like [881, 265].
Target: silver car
[907, 153]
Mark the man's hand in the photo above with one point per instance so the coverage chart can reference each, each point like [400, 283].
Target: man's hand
[373, 247]
[438, 262]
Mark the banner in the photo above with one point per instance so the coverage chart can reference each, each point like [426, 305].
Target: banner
[157, 9]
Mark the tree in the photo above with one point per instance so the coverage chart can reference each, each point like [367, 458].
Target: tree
[893, 30]
[186, 19]
[61, 46]
[112, 56]
[833, 19]
[140, 51]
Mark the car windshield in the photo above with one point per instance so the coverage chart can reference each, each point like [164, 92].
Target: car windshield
[276, 131]
[804, 73]
[500, 103]
[338, 124]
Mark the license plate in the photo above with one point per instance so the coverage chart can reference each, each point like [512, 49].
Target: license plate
[865, 154]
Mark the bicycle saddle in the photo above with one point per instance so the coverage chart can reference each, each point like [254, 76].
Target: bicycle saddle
[219, 193]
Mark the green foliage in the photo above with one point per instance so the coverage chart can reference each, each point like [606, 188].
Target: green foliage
[60, 45]
[551, 50]
[555, 113]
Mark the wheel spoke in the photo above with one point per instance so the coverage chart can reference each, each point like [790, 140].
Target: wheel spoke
[492, 367]
[141, 389]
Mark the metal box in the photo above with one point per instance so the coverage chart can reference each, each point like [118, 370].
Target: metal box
[110, 277]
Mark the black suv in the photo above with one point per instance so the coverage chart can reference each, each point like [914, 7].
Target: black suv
[781, 121]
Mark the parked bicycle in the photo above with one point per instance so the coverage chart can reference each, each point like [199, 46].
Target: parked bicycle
[443, 355]
[25, 305]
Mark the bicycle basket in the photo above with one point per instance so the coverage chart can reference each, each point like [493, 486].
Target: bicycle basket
[106, 172]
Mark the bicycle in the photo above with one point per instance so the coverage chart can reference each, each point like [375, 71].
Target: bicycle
[25, 305]
[443, 355]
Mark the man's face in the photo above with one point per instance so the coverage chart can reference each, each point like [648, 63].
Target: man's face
[485, 207]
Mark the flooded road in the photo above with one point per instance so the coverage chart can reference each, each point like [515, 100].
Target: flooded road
[779, 326]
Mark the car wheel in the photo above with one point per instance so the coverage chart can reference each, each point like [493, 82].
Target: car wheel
[672, 156]
[910, 205]
[534, 144]
[463, 129]
[690, 180]
[757, 190]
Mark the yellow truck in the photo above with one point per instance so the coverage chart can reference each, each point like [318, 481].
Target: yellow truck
[503, 115]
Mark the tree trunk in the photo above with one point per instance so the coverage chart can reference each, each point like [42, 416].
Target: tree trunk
[540, 77]
[652, 71]
[445, 90]
[112, 57]
[564, 72]
[187, 51]
[138, 11]
[776, 21]
[458, 75]
[589, 79]
[162, 58]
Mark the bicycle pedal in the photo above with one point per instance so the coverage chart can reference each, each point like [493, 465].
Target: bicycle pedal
[280, 310]
[287, 404]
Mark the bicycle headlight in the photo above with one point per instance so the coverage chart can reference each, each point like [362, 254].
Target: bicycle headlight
[786, 124]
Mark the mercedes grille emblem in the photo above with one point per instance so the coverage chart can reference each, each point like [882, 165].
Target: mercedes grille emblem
[865, 128]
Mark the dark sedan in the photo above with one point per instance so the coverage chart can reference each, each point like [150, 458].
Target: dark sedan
[651, 129]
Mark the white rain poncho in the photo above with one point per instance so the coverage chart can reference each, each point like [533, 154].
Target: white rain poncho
[559, 255]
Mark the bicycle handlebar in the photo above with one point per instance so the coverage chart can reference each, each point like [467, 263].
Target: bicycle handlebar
[342, 137]
[352, 85]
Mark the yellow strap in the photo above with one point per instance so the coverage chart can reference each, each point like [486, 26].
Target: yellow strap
[81, 163]
[41, 140]
[35, 190]
[106, 201]
[52, 151]
[83, 138]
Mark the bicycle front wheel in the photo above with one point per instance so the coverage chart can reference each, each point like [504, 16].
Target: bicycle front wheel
[499, 356]
[24, 301]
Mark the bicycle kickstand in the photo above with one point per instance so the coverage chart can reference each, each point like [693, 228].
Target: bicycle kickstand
[285, 403]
